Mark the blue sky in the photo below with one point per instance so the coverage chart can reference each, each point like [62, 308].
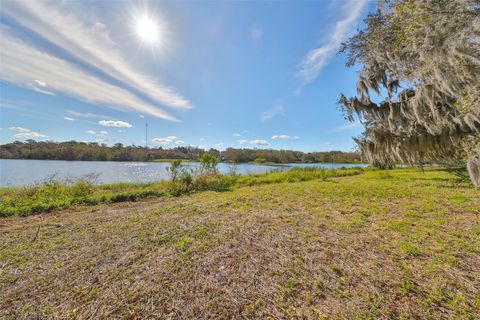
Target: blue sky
[208, 74]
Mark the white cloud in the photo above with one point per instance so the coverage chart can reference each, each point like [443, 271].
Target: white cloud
[68, 119]
[257, 142]
[237, 135]
[141, 116]
[37, 83]
[87, 114]
[285, 136]
[19, 129]
[48, 93]
[22, 64]
[40, 83]
[219, 144]
[317, 58]
[256, 33]
[30, 135]
[260, 142]
[113, 123]
[202, 139]
[101, 136]
[91, 44]
[161, 140]
[167, 140]
[352, 125]
[272, 112]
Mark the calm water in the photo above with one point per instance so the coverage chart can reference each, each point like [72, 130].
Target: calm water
[27, 172]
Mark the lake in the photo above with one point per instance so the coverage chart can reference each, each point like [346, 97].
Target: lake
[28, 172]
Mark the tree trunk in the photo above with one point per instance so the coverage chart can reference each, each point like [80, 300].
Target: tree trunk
[473, 167]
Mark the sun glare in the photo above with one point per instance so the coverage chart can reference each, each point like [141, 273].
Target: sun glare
[148, 29]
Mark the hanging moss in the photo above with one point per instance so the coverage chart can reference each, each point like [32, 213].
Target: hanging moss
[430, 50]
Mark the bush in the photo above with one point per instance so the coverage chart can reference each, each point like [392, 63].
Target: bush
[82, 189]
[174, 169]
[214, 182]
[208, 163]
[183, 184]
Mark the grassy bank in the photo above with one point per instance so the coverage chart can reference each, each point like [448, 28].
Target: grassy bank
[53, 194]
[396, 245]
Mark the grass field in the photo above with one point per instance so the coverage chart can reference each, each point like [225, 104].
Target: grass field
[378, 245]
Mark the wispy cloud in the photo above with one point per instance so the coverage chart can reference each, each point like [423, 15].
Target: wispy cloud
[317, 58]
[257, 142]
[23, 64]
[167, 140]
[91, 44]
[48, 93]
[101, 136]
[18, 129]
[113, 123]
[25, 133]
[260, 142]
[236, 135]
[352, 125]
[285, 137]
[87, 115]
[68, 119]
[274, 111]
[30, 135]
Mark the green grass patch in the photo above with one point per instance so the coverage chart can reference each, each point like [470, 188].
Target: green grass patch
[57, 195]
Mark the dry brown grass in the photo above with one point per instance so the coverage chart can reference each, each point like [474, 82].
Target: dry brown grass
[361, 247]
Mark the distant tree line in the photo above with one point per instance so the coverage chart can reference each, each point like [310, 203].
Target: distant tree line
[92, 151]
[287, 156]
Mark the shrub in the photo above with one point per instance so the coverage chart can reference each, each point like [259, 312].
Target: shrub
[183, 184]
[174, 169]
[208, 162]
[82, 189]
[214, 182]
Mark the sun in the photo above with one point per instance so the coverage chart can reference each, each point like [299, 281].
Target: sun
[148, 30]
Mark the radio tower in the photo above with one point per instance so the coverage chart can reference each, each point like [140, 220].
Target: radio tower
[146, 135]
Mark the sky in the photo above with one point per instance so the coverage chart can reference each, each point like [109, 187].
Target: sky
[207, 74]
